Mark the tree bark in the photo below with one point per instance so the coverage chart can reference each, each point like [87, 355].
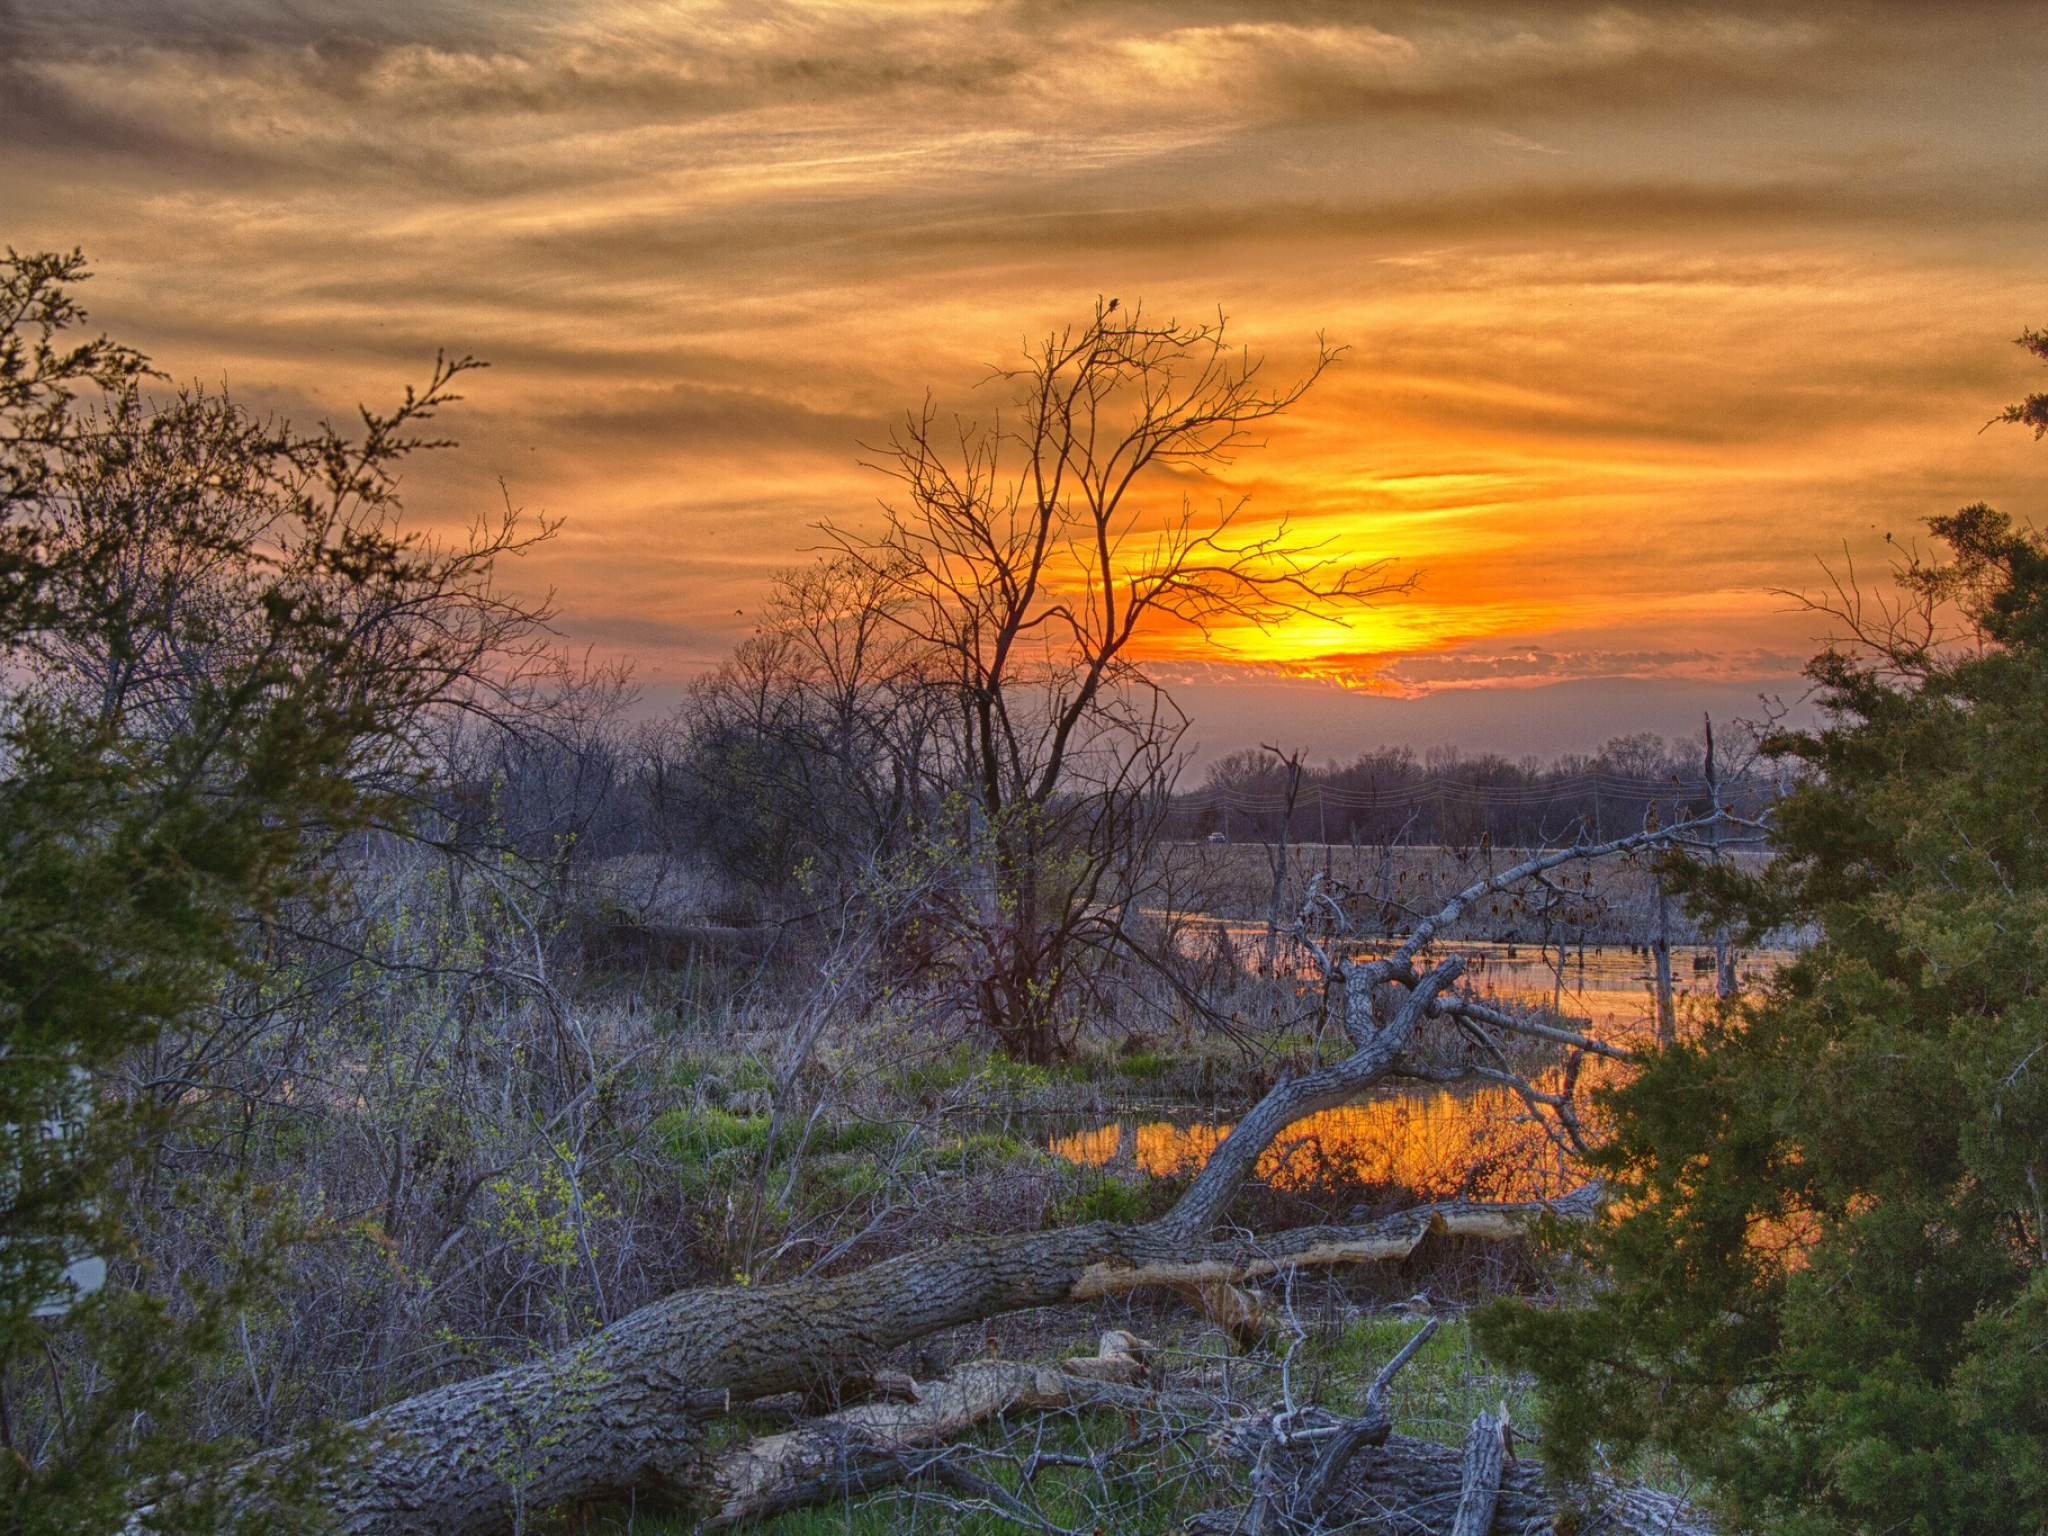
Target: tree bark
[865, 1448]
[1408, 1487]
[1486, 1452]
[619, 1414]
[1660, 951]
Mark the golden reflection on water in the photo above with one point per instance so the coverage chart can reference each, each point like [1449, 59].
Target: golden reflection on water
[1482, 1144]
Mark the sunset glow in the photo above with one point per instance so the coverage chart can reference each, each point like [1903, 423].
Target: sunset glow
[1645, 309]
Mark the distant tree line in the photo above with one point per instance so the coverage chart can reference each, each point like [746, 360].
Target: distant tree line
[1390, 796]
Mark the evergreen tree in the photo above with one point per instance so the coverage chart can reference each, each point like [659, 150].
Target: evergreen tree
[216, 650]
[1823, 1281]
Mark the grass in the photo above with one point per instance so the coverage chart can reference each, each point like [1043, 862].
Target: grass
[934, 1076]
[1438, 1393]
[1098, 1196]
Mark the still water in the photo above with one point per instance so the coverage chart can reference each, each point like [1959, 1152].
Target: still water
[1480, 1143]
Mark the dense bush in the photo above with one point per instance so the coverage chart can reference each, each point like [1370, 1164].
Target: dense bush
[1826, 1281]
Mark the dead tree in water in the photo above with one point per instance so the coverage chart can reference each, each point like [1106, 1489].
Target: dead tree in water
[622, 1413]
[1660, 953]
[1276, 851]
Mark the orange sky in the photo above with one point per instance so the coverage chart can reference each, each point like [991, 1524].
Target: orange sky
[1646, 307]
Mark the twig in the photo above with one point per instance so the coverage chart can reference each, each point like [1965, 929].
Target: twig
[1371, 1427]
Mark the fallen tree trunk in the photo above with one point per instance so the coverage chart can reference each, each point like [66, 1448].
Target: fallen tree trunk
[1391, 1237]
[1214, 1286]
[1486, 1455]
[1409, 1487]
[862, 1449]
[618, 1414]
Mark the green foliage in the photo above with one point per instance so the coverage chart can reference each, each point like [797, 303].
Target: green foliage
[701, 1137]
[543, 1216]
[1438, 1393]
[215, 642]
[931, 1077]
[1829, 1262]
[1098, 1196]
[1142, 1066]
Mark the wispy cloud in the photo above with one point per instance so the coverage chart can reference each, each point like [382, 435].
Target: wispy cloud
[1645, 303]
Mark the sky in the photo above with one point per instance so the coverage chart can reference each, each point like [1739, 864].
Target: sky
[1648, 311]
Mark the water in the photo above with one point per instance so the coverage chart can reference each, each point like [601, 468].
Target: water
[1480, 1143]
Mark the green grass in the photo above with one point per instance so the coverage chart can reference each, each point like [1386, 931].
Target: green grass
[1437, 1394]
[964, 1067]
[1097, 1196]
[1142, 1066]
[1448, 1384]
[700, 1137]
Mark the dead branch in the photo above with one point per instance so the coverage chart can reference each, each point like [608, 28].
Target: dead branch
[1486, 1453]
[1468, 1008]
[1370, 1428]
[1292, 1099]
[1390, 1238]
[1409, 1487]
[865, 1448]
[618, 1414]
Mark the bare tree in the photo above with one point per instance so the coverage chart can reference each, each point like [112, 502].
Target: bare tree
[1026, 560]
[809, 749]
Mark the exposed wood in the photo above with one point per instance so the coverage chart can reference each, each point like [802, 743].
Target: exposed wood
[864, 1448]
[1245, 1315]
[1486, 1454]
[1391, 1237]
[1409, 1487]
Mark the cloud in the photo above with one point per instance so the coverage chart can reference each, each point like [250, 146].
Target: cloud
[1486, 665]
[693, 417]
[533, 95]
[1646, 303]
[1415, 675]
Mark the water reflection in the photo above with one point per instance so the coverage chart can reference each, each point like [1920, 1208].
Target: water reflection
[1482, 1144]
